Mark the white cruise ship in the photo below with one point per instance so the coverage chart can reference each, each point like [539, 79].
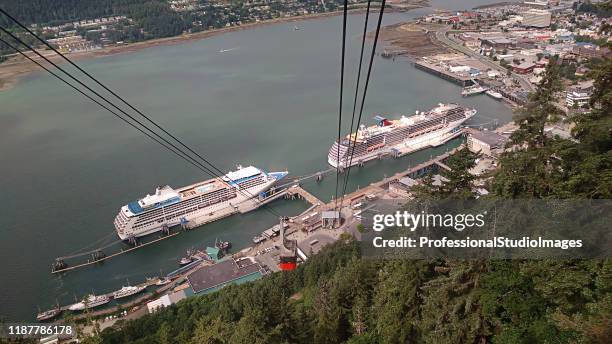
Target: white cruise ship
[211, 198]
[407, 134]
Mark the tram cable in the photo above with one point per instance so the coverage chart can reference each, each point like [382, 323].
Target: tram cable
[363, 39]
[365, 88]
[112, 92]
[96, 101]
[201, 166]
[342, 59]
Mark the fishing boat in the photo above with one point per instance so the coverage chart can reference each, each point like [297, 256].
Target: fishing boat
[188, 259]
[127, 291]
[472, 90]
[494, 94]
[163, 281]
[185, 260]
[50, 314]
[223, 245]
[257, 239]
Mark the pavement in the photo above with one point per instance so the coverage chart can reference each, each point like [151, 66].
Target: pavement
[441, 35]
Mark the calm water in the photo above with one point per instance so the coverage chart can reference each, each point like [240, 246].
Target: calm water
[67, 166]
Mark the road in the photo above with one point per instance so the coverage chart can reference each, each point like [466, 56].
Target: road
[443, 38]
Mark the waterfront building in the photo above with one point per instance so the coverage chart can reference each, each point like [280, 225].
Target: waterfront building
[402, 187]
[166, 301]
[208, 279]
[486, 142]
[329, 219]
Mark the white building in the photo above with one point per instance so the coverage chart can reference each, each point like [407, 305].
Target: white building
[536, 18]
[166, 301]
[577, 97]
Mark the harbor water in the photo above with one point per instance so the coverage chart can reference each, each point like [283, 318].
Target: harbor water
[266, 96]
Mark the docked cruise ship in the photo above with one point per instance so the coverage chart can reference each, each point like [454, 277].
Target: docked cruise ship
[212, 199]
[398, 137]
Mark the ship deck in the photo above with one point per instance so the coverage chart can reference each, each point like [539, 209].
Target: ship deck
[201, 188]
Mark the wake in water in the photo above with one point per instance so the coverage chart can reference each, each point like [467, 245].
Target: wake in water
[226, 50]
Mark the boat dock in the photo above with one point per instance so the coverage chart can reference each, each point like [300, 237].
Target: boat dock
[290, 190]
[178, 276]
[305, 228]
[110, 295]
[100, 260]
[97, 256]
[299, 192]
[301, 228]
[444, 74]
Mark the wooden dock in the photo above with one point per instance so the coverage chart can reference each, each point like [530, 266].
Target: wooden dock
[298, 191]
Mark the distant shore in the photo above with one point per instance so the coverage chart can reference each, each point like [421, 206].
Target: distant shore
[16, 67]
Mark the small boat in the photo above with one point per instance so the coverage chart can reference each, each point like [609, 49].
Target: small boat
[162, 281]
[50, 314]
[296, 28]
[472, 90]
[495, 95]
[223, 245]
[91, 301]
[127, 291]
[257, 239]
[187, 259]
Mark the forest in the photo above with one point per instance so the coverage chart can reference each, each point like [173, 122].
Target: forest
[337, 297]
[154, 17]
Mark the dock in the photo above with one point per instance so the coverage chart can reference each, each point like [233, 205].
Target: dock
[240, 208]
[100, 260]
[309, 236]
[144, 296]
[299, 192]
[305, 227]
[444, 74]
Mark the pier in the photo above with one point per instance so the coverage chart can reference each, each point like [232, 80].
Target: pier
[444, 74]
[291, 190]
[97, 255]
[100, 260]
[299, 192]
[300, 228]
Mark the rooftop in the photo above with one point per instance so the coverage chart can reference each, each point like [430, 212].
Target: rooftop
[220, 274]
[491, 138]
[241, 173]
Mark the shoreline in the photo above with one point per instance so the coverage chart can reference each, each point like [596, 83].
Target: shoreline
[411, 41]
[17, 67]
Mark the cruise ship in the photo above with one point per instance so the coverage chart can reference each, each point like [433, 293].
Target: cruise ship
[212, 199]
[405, 135]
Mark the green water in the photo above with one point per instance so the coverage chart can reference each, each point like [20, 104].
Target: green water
[68, 166]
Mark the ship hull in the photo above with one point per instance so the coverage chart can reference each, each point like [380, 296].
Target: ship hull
[409, 145]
